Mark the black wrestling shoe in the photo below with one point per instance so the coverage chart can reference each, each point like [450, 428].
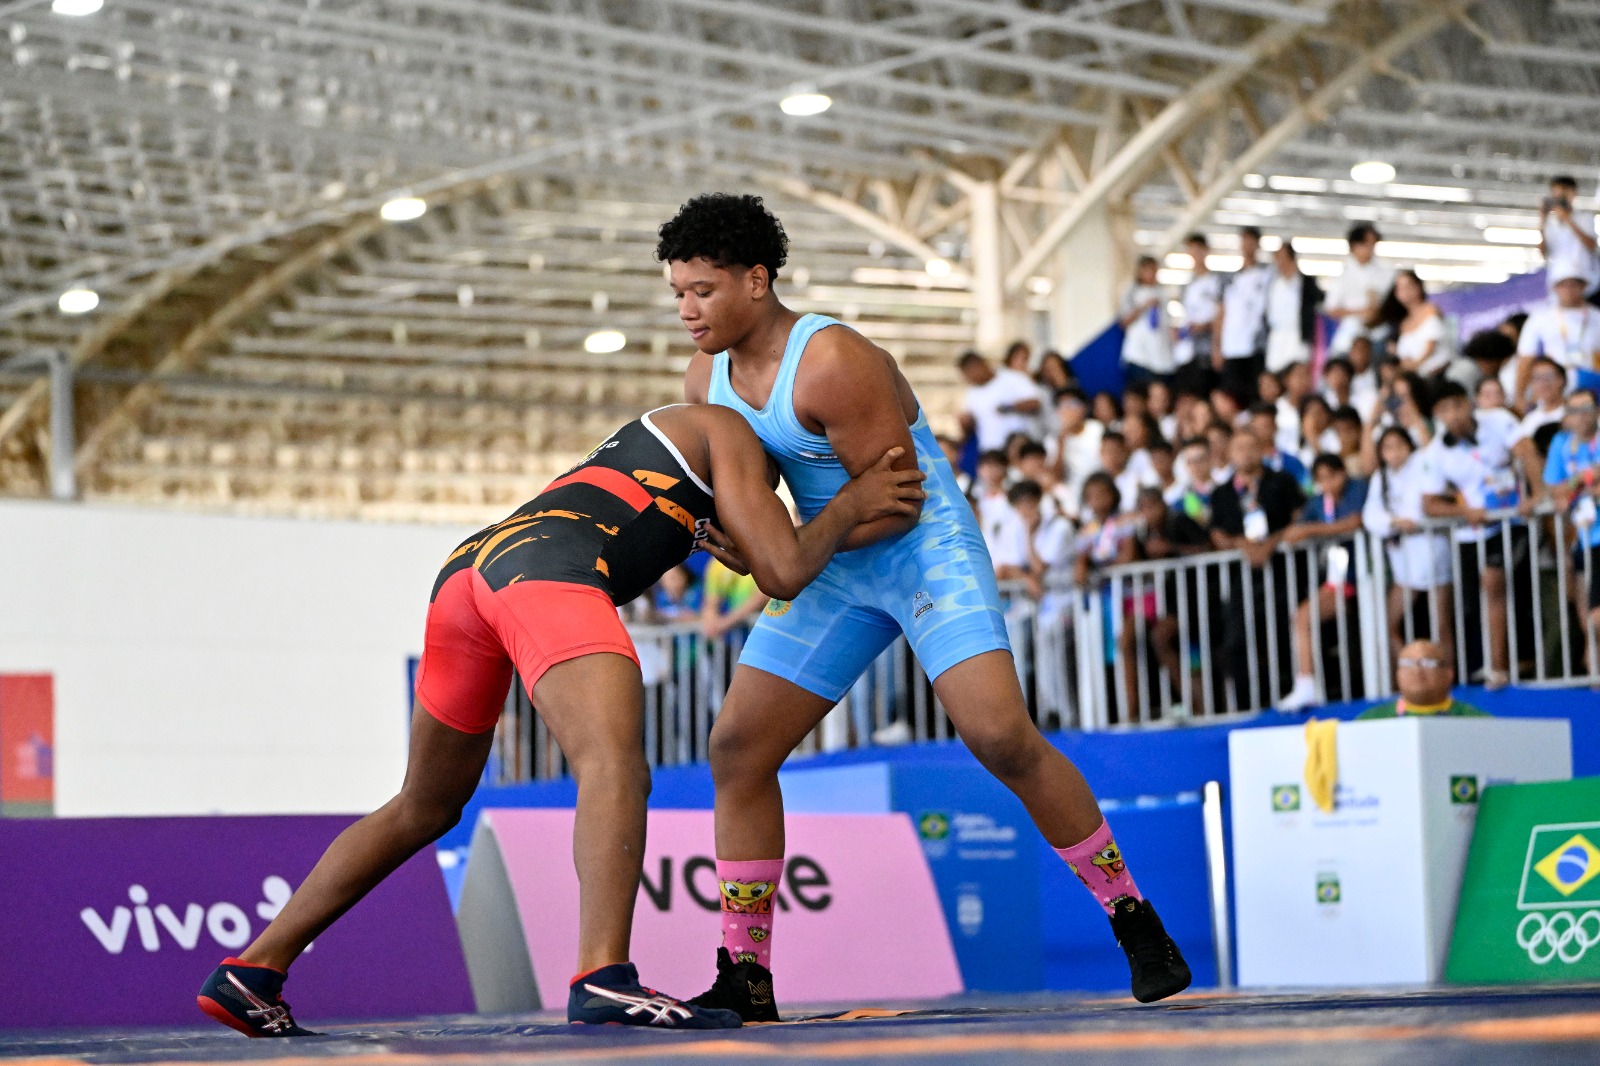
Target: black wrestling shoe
[249, 998]
[744, 987]
[612, 995]
[1154, 961]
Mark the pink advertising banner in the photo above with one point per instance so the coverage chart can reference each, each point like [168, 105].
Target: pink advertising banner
[857, 913]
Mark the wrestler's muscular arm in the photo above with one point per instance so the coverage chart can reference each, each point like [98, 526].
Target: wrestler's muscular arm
[851, 390]
[782, 558]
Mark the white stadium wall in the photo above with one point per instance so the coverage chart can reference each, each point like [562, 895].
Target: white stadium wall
[208, 664]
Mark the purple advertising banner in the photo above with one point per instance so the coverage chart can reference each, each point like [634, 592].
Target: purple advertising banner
[117, 921]
[1481, 307]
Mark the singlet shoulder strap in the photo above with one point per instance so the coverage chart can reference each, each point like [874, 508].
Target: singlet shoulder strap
[807, 327]
[672, 449]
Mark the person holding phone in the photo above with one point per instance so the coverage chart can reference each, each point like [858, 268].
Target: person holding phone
[1567, 238]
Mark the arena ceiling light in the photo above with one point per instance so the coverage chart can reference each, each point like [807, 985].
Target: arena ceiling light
[403, 209]
[1372, 172]
[604, 341]
[938, 268]
[76, 7]
[805, 104]
[78, 301]
[1512, 235]
[1296, 183]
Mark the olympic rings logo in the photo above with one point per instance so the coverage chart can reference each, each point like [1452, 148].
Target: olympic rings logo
[1559, 936]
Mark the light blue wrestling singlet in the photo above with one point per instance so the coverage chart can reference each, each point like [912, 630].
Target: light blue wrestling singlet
[934, 583]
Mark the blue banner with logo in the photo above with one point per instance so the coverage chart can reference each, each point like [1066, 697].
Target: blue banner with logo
[980, 844]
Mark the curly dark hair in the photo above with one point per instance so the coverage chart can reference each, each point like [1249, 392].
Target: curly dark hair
[728, 230]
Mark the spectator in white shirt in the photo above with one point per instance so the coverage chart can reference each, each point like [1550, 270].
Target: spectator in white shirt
[1567, 239]
[1101, 530]
[1567, 331]
[1490, 351]
[1241, 324]
[1292, 301]
[1219, 438]
[1316, 430]
[1164, 464]
[1049, 536]
[1129, 479]
[1337, 374]
[1355, 296]
[1490, 395]
[1033, 464]
[1019, 357]
[1147, 331]
[1160, 408]
[1547, 390]
[1364, 384]
[989, 494]
[1012, 550]
[1471, 472]
[1420, 343]
[1296, 384]
[1107, 410]
[1052, 376]
[1140, 433]
[1202, 300]
[1419, 561]
[1075, 451]
[998, 402]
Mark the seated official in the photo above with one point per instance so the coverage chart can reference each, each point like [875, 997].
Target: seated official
[1424, 678]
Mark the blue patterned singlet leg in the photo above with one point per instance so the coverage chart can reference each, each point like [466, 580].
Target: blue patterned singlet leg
[934, 583]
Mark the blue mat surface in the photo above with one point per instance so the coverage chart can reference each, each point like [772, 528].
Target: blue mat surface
[1456, 1027]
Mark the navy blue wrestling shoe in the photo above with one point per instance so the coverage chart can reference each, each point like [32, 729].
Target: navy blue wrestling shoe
[249, 998]
[1155, 964]
[612, 995]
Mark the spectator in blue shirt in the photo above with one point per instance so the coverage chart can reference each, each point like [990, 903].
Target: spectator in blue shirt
[1333, 511]
[1264, 424]
[1572, 475]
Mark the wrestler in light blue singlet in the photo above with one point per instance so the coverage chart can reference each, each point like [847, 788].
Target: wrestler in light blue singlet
[935, 582]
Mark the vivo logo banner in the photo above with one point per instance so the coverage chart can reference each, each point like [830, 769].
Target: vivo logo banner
[147, 906]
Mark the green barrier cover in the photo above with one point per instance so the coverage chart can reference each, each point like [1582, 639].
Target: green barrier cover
[1530, 901]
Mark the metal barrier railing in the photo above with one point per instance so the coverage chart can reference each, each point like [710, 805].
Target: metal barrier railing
[1198, 637]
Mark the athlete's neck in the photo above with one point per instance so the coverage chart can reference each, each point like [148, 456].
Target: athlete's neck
[767, 339]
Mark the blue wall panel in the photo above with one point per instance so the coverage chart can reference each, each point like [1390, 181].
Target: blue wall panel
[1147, 779]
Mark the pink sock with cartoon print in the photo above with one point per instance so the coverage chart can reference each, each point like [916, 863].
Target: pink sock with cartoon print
[747, 888]
[1098, 863]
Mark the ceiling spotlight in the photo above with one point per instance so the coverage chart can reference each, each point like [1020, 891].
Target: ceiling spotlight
[1372, 172]
[801, 105]
[403, 209]
[603, 342]
[76, 7]
[1512, 235]
[938, 268]
[78, 301]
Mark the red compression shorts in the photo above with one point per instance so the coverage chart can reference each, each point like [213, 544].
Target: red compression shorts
[476, 635]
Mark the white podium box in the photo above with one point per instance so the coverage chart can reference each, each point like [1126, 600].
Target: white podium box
[1367, 895]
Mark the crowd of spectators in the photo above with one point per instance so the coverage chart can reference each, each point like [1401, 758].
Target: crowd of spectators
[1266, 421]
[1261, 409]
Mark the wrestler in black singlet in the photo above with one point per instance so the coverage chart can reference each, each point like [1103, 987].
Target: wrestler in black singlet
[617, 521]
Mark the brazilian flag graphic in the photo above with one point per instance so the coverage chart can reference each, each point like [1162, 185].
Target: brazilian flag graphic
[1530, 900]
[1564, 867]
